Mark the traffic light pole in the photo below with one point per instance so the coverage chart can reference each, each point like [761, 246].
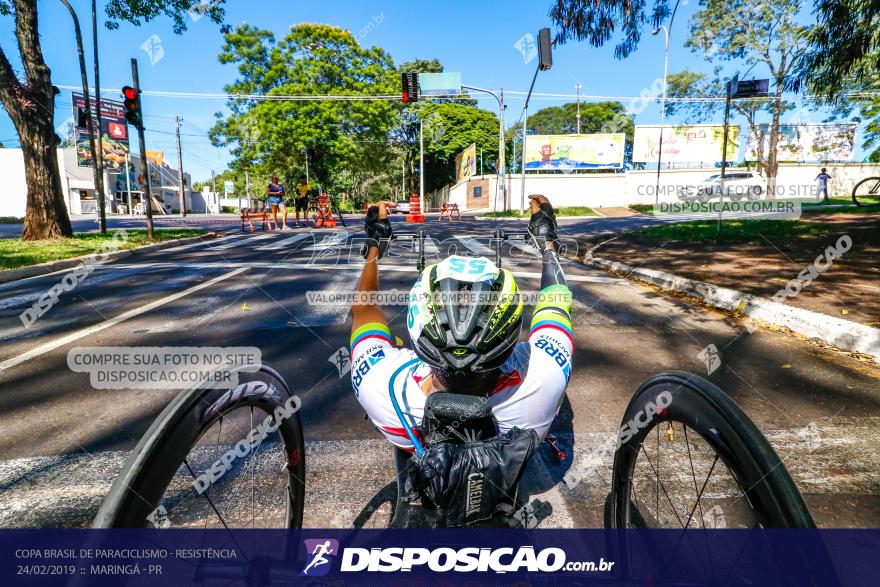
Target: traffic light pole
[181, 188]
[148, 203]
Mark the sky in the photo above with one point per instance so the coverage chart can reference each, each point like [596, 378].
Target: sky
[478, 39]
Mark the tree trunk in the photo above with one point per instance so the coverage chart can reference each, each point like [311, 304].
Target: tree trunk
[46, 215]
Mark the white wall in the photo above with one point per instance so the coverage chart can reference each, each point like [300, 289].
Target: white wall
[13, 191]
[598, 190]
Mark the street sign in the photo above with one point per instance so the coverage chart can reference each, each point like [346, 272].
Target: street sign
[228, 187]
[750, 88]
[440, 84]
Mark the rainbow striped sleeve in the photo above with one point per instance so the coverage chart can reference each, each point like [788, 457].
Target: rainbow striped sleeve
[371, 330]
[553, 310]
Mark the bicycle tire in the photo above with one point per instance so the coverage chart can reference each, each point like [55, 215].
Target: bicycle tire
[138, 490]
[721, 423]
[875, 194]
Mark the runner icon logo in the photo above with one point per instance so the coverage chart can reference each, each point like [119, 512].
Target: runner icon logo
[320, 551]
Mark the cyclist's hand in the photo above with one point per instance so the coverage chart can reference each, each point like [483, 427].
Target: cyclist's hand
[378, 229]
[542, 226]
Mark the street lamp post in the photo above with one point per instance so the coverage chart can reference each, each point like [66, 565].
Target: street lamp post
[663, 100]
[500, 170]
[578, 88]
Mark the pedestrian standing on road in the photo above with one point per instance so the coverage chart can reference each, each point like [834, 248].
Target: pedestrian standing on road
[823, 178]
[302, 189]
[275, 194]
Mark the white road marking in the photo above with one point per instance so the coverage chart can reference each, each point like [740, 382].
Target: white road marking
[200, 243]
[284, 242]
[74, 336]
[343, 267]
[833, 457]
[239, 241]
[329, 241]
[475, 246]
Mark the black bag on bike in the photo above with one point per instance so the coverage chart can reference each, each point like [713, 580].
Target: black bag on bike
[467, 469]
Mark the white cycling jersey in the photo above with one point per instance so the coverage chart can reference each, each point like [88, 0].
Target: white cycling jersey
[526, 395]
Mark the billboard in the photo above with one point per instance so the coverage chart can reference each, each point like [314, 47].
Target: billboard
[805, 142]
[466, 163]
[567, 152]
[113, 145]
[684, 144]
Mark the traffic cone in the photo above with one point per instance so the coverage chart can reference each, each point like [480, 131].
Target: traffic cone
[415, 209]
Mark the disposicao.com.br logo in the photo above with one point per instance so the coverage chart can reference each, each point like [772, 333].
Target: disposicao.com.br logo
[320, 551]
[464, 560]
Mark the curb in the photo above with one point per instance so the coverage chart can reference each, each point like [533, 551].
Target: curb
[52, 266]
[839, 333]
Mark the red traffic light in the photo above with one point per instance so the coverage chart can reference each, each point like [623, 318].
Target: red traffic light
[129, 93]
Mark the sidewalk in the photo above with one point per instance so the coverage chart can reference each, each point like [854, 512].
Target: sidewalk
[849, 289]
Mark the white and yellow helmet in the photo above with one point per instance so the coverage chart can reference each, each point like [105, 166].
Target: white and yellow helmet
[465, 315]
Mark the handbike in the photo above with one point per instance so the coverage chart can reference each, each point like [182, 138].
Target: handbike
[686, 457]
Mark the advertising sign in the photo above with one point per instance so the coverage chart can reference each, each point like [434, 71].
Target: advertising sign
[466, 163]
[684, 144]
[568, 152]
[156, 158]
[805, 142]
[113, 144]
[228, 187]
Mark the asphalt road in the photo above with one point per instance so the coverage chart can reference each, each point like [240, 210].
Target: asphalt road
[63, 442]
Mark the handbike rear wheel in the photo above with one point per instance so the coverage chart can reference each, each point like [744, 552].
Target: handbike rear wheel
[685, 425]
[197, 465]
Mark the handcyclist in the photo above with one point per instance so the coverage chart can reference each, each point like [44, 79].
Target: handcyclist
[302, 190]
[275, 195]
[463, 348]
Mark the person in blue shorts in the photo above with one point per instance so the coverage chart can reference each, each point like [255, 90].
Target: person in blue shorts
[275, 195]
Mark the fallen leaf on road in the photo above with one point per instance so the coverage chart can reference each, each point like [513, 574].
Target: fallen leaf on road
[786, 366]
[844, 312]
[245, 308]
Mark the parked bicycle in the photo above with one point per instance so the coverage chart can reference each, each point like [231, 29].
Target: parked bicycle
[867, 192]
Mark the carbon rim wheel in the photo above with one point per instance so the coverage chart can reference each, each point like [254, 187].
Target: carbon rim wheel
[689, 457]
[867, 192]
[228, 458]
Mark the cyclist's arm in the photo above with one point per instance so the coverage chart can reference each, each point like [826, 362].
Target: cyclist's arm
[363, 313]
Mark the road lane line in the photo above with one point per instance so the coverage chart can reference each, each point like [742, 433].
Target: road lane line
[237, 242]
[475, 247]
[59, 342]
[284, 242]
[329, 241]
[200, 243]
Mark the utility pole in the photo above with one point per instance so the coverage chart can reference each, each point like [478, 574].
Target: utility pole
[145, 169]
[307, 165]
[213, 192]
[578, 88]
[99, 161]
[90, 125]
[181, 189]
[421, 166]
[247, 187]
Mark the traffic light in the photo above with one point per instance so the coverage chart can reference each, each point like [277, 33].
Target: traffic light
[545, 50]
[132, 105]
[410, 83]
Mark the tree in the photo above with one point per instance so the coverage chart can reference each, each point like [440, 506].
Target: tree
[341, 138]
[748, 32]
[449, 129]
[29, 100]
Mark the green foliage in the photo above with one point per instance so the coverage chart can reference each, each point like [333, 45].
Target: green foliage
[142, 11]
[449, 129]
[597, 21]
[339, 137]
